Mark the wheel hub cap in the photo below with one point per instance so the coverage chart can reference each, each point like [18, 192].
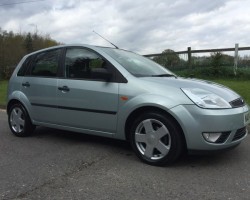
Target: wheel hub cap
[152, 139]
[17, 120]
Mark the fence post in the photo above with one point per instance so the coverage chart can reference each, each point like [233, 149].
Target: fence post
[189, 57]
[236, 58]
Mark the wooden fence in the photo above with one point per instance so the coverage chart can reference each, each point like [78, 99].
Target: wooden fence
[189, 53]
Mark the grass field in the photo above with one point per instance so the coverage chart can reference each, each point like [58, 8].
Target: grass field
[240, 86]
[3, 92]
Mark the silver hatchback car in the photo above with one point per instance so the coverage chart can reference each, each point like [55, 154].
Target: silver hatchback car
[119, 94]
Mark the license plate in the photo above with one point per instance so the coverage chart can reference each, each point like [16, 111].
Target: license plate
[247, 118]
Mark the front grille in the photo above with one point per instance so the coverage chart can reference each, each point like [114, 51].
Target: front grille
[223, 137]
[240, 133]
[237, 103]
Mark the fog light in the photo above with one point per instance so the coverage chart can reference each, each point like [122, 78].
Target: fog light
[211, 137]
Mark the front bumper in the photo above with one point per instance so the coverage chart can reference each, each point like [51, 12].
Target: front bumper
[195, 121]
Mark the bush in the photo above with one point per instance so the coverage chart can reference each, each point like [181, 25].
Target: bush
[6, 72]
[221, 72]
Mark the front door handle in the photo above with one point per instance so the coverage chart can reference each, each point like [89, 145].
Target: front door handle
[26, 84]
[64, 89]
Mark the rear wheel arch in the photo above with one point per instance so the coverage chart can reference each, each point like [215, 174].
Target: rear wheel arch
[17, 101]
[11, 103]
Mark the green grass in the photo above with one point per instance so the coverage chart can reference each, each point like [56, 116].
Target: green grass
[3, 92]
[242, 87]
[223, 73]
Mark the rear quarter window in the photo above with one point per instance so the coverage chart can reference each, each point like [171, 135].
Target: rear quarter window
[24, 68]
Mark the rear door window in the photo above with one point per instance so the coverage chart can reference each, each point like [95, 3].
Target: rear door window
[45, 64]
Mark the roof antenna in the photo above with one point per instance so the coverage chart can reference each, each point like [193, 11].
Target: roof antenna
[106, 40]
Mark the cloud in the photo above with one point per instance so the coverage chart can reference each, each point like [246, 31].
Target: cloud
[143, 26]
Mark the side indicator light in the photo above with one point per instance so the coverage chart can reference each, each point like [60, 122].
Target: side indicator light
[124, 98]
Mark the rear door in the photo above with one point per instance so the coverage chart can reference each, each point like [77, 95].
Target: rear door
[39, 85]
[86, 101]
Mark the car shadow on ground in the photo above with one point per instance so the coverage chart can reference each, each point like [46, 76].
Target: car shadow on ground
[75, 137]
[124, 148]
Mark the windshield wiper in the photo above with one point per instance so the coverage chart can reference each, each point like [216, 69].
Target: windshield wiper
[164, 75]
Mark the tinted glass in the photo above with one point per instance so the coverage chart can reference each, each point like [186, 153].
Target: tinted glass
[136, 64]
[46, 64]
[25, 66]
[83, 64]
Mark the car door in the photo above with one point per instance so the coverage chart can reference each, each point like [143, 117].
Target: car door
[39, 85]
[85, 100]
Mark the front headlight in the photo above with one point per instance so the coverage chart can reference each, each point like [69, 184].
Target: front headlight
[206, 99]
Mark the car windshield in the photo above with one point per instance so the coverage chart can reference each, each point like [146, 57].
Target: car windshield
[138, 65]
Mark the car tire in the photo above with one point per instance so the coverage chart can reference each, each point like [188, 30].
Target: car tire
[19, 121]
[156, 138]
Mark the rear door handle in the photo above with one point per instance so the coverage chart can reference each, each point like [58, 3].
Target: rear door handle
[26, 84]
[64, 89]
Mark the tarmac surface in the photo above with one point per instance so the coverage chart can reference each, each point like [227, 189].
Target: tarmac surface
[53, 164]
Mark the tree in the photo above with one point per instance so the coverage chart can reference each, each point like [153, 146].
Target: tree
[216, 62]
[28, 43]
[172, 57]
[168, 58]
[13, 46]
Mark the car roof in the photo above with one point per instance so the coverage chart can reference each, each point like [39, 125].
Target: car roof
[70, 45]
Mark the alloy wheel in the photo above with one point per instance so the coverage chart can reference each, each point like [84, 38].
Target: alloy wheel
[152, 139]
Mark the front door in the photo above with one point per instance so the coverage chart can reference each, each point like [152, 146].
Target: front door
[85, 101]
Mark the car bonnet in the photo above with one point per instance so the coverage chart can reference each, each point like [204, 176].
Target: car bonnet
[220, 90]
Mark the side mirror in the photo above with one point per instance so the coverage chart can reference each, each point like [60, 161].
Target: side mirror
[101, 73]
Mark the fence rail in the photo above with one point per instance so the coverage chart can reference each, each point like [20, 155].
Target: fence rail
[189, 59]
[202, 51]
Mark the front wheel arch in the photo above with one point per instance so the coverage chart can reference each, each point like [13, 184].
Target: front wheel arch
[140, 111]
[163, 150]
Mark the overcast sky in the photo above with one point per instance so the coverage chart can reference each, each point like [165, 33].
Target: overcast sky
[144, 26]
